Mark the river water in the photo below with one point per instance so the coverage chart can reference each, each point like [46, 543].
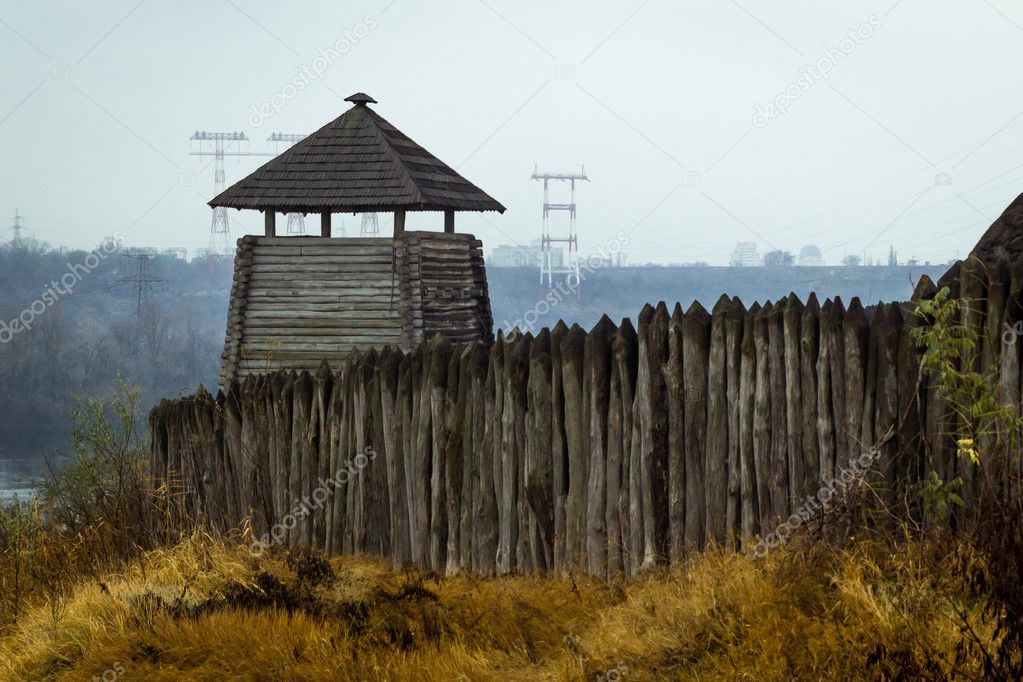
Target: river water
[19, 476]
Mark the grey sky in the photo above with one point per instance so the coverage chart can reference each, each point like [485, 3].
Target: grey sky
[656, 98]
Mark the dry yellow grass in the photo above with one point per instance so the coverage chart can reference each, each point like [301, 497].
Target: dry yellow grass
[205, 610]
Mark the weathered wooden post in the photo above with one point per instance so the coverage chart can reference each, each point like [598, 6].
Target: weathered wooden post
[559, 445]
[839, 401]
[855, 330]
[793, 321]
[809, 348]
[715, 484]
[748, 373]
[599, 369]
[636, 547]
[622, 391]
[778, 466]
[696, 327]
[762, 417]
[734, 317]
[539, 454]
[825, 414]
[575, 420]
[674, 383]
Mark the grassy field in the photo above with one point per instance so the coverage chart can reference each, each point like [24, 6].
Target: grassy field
[207, 610]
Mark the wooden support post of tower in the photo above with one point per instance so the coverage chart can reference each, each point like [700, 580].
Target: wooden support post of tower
[270, 222]
[325, 224]
[399, 222]
[449, 222]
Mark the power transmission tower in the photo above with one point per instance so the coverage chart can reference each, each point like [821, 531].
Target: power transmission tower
[220, 232]
[296, 221]
[570, 267]
[16, 228]
[370, 225]
[143, 281]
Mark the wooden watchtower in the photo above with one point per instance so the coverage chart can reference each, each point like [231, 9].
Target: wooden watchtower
[297, 301]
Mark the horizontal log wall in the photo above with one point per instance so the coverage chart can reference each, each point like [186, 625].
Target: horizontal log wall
[297, 301]
[601, 452]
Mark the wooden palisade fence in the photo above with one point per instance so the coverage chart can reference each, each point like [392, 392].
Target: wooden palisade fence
[570, 451]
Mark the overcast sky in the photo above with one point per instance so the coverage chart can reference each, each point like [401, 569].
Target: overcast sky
[912, 139]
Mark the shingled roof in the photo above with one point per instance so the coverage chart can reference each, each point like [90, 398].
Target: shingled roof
[356, 163]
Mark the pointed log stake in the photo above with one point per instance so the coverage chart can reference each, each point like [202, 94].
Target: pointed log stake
[655, 504]
[778, 480]
[734, 314]
[855, 333]
[825, 420]
[696, 329]
[474, 457]
[388, 372]
[454, 468]
[716, 454]
[792, 320]
[575, 500]
[839, 403]
[598, 368]
[676, 438]
[559, 447]
[440, 352]
[635, 531]
[747, 396]
[486, 513]
[809, 345]
[517, 385]
[623, 381]
[538, 464]
[762, 418]
[887, 394]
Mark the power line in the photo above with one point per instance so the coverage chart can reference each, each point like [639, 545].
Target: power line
[220, 231]
[143, 281]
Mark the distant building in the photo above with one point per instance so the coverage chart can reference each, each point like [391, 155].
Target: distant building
[617, 260]
[810, 256]
[745, 255]
[779, 259]
[509, 256]
[141, 251]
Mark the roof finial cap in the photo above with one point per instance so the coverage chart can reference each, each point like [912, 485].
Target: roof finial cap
[360, 99]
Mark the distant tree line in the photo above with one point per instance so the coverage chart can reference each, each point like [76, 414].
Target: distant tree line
[63, 336]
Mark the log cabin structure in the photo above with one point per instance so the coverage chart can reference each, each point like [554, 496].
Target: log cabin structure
[299, 301]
